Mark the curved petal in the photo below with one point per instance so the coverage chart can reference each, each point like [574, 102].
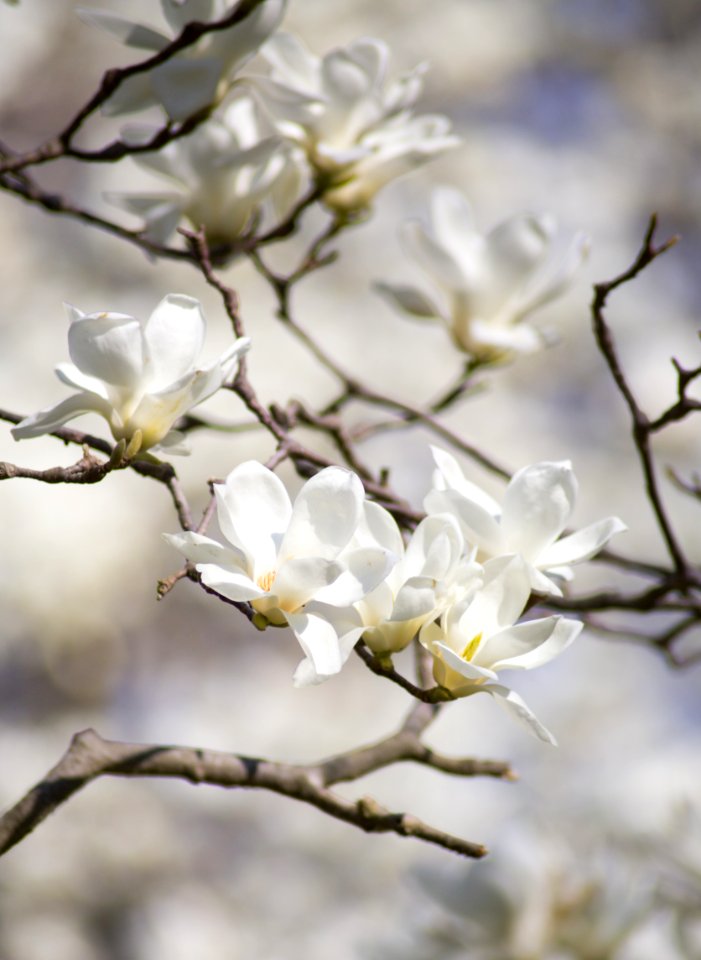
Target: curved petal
[230, 584]
[292, 63]
[237, 44]
[325, 515]
[320, 642]
[379, 528]
[132, 34]
[581, 545]
[530, 644]
[409, 299]
[439, 263]
[415, 599]
[302, 579]
[452, 218]
[466, 669]
[435, 547]
[365, 569]
[478, 526]
[199, 549]
[134, 93]
[179, 13]
[174, 337]
[519, 709]
[53, 417]
[537, 505]
[186, 86]
[108, 346]
[69, 374]
[515, 248]
[253, 510]
[451, 477]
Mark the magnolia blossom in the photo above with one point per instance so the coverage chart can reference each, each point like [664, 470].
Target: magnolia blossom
[292, 561]
[478, 637]
[200, 74]
[486, 285]
[538, 503]
[356, 129]
[415, 588]
[139, 375]
[219, 176]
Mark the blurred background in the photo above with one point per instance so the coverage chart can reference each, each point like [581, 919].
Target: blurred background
[587, 109]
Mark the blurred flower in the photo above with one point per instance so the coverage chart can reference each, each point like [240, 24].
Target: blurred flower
[357, 130]
[290, 559]
[222, 174]
[413, 590]
[199, 75]
[538, 502]
[139, 375]
[489, 284]
[478, 636]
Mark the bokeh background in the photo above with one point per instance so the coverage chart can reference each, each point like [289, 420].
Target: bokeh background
[587, 109]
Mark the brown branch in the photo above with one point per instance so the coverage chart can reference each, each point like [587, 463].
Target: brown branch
[90, 757]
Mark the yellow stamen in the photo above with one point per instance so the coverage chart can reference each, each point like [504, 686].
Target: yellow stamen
[471, 648]
[266, 581]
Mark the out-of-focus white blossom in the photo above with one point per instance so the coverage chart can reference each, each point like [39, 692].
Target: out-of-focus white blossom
[201, 74]
[478, 637]
[139, 375]
[292, 561]
[222, 174]
[486, 284]
[537, 505]
[356, 128]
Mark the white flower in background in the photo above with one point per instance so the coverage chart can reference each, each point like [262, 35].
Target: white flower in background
[356, 129]
[202, 73]
[478, 637]
[290, 560]
[139, 375]
[414, 589]
[220, 176]
[487, 284]
[538, 503]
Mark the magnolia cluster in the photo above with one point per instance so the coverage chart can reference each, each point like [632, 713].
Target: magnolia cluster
[336, 123]
[334, 567]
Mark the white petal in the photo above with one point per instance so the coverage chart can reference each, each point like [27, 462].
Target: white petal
[108, 346]
[519, 709]
[530, 644]
[463, 667]
[435, 547]
[254, 510]
[409, 299]
[229, 583]
[478, 526]
[178, 13]
[240, 42]
[132, 34]
[515, 248]
[452, 218]
[53, 417]
[583, 544]
[416, 598]
[302, 579]
[134, 93]
[186, 86]
[438, 262]
[453, 478]
[200, 549]
[321, 644]
[379, 528]
[365, 569]
[325, 515]
[69, 374]
[174, 337]
[537, 505]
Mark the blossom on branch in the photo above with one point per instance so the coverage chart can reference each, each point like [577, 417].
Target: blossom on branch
[199, 75]
[294, 562]
[487, 284]
[537, 505]
[479, 636]
[356, 129]
[220, 175]
[139, 375]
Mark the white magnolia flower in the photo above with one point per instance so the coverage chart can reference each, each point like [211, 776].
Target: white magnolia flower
[202, 73]
[220, 175]
[356, 129]
[290, 560]
[414, 590]
[478, 637]
[139, 375]
[487, 284]
[538, 503]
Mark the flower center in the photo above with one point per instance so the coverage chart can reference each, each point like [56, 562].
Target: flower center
[266, 581]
